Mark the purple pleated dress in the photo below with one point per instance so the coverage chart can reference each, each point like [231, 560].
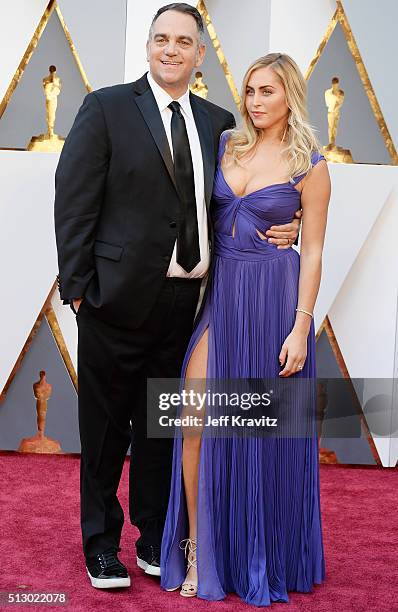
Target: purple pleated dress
[259, 531]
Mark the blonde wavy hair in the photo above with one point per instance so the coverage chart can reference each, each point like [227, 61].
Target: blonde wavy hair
[299, 135]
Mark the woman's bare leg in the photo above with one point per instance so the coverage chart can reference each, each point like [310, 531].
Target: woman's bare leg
[195, 379]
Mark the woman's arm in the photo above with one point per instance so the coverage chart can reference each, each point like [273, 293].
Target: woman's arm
[315, 197]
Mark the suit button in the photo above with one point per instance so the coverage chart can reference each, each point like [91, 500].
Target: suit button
[173, 224]
[166, 257]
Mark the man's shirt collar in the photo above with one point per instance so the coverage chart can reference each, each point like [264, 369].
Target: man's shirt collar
[163, 99]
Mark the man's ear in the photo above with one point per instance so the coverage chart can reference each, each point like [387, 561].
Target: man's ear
[147, 50]
[200, 56]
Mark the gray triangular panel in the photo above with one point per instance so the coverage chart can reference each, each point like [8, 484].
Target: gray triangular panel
[25, 114]
[18, 411]
[214, 78]
[341, 425]
[98, 31]
[358, 129]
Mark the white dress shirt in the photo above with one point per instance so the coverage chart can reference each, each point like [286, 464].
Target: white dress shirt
[163, 100]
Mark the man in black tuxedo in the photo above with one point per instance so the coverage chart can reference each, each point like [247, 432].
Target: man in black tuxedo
[133, 190]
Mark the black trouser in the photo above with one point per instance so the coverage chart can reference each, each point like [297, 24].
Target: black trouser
[113, 364]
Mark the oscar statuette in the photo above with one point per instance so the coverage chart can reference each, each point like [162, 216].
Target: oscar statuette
[334, 98]
[49, 142]
[40, 443]
[199, 88]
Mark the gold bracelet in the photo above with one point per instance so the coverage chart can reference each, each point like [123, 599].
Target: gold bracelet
[305, 311]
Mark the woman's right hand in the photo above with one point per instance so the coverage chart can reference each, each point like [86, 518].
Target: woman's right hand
[293, 353]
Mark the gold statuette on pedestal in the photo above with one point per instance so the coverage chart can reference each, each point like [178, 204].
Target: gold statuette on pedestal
[39, 443]
[334, 98]
[199, 88]
[50, 141]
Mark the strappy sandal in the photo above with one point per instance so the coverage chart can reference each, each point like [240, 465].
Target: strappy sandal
[189, 589]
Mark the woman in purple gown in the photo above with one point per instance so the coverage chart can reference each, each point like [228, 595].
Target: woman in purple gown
[246, 510]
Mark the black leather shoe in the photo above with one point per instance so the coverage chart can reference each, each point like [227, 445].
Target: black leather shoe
[106, 571]
[148, 559]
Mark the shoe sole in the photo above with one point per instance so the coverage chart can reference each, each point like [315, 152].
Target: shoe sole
[108, 583]
[181, 592]
[188, 595]
[152, 570]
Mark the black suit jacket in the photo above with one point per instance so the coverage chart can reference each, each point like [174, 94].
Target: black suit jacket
[116, 204]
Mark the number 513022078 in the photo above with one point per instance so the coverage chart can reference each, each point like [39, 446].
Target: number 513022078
[29, 597]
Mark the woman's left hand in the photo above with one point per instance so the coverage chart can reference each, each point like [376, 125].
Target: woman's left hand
[295, 349]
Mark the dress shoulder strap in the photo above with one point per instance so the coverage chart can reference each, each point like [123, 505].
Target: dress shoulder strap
[223, 141]
[316, 157]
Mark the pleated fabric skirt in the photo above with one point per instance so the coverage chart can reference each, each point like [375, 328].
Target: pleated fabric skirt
[259, 531]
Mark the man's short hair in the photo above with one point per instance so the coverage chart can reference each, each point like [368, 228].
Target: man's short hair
[181, 7]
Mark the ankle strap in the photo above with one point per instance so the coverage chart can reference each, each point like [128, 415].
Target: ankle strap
[189, 548]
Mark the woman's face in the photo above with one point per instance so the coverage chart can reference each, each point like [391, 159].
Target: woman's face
[265, 99]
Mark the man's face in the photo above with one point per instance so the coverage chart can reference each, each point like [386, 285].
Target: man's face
[174, 50]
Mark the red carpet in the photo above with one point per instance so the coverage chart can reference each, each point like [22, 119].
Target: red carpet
[40, 543]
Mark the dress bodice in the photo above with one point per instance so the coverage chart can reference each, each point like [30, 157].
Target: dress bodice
[271, 205]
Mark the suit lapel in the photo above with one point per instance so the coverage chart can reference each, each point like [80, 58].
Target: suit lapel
[150, 112]
[206, 137]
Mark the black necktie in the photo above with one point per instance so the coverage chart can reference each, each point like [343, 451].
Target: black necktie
[188, 252]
